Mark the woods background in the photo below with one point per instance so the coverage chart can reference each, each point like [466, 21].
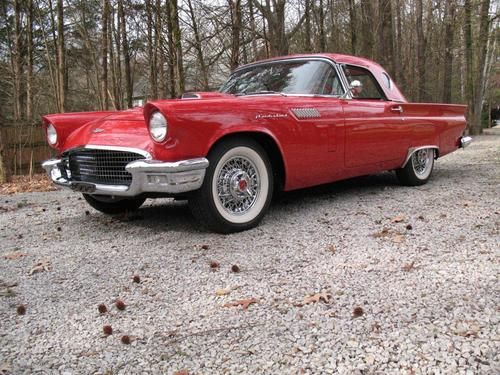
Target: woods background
[77, 55]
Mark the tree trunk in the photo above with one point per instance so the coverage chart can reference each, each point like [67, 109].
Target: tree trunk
[449, 32]
[398, 47]
[235, 7]
[469, 78]
[367, 29]
[29, 71]
[104, 55]
[18, 61]
[160, 74]
[386, 49]
[117, 42]
[171, 57]
[198, 47]
[481, 67]
[61, 53]
[420, 52]
[275, 17]
[112, 64]
[176, 52]
[307, 31]
[321, 26]
[352, 25]
[252, 29]
[4, 171]
[151, 60]
[126, 54]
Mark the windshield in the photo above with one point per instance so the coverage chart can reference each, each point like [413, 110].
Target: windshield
[287, 77]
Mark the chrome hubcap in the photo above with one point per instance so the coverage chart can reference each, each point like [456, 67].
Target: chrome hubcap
[238, 185]
[421, 161]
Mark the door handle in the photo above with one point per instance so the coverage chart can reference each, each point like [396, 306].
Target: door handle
[397, 108]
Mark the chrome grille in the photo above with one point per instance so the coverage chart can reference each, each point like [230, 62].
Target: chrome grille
[100, 166]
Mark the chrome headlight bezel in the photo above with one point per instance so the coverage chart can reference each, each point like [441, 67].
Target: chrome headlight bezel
[158, 126]
[51, 134]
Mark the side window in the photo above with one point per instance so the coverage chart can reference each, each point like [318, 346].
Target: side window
[369, 88]
[331, 84]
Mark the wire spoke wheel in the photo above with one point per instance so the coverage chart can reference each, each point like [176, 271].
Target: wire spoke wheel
[237, 189]
[418, 169]
[422, 162]
[238, 185]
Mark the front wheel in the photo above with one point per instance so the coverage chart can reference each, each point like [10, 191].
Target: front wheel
[237, 188]
[109, 205]
[418, 169]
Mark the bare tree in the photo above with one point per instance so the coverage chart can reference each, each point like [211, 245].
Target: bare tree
[420, 52]
[198, 47]
[61, 54]
[126, 53]
[235, 7]
[448, 49]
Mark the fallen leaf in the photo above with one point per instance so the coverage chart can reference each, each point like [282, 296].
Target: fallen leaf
[408, 267]
[5, 368]
[243, 302]
[324, 296]
[89, 354]
[43, 265]
[7, 293]
[13, 255]
[383, 233]
[181, 372]
[222, 292]
[5, 284]
[332, 249]
[398, 219]
[398, 238]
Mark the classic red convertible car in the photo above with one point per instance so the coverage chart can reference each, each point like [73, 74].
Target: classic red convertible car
[279, 124]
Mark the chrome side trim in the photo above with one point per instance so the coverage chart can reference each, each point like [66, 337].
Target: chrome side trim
[411, 150]
[465, 141]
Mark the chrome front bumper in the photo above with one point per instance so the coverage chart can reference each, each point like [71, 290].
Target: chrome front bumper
[148, 176]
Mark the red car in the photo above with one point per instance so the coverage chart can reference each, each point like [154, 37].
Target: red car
[280, 124]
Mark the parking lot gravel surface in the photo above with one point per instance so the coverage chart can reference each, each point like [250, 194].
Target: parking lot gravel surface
[360, 276]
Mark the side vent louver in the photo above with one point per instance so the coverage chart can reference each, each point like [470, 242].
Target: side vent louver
[306, 113]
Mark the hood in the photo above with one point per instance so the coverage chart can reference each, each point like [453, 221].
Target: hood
[124, 129]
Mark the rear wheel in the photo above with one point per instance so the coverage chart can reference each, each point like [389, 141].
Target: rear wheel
[418, 169]
[237, 188]
[110, 205]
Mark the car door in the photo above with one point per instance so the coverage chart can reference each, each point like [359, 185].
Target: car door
[375, 133]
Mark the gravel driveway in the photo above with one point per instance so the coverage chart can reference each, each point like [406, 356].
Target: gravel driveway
[361, 276]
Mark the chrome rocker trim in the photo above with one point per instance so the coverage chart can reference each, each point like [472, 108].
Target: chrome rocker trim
[148, 176]
[465, 141]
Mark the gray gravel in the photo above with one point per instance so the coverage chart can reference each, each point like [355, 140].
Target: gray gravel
[419, 265]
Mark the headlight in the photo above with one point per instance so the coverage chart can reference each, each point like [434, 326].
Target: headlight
[158, 126]
[51, 134]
